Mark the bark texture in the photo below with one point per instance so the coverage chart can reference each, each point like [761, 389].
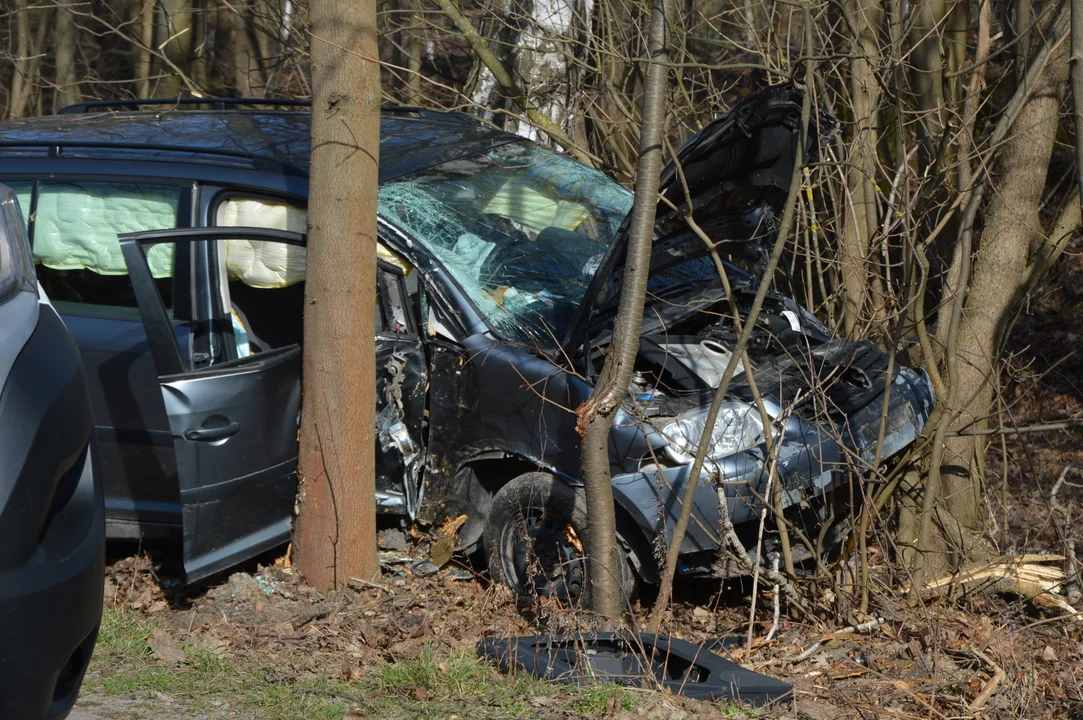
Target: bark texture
[335, 538]
[596, 415]
[67, 92]
[999, 271]
[857, 283]
[20, 81]
[146, 37]
[175, 39]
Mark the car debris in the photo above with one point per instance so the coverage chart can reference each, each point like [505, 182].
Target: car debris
[642, 660]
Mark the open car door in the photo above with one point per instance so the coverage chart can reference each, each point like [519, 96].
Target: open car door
[234, 424]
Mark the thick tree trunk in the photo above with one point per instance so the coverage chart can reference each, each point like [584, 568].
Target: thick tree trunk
[67, 88]
[335, 537]
[596, 415]
[999, 271]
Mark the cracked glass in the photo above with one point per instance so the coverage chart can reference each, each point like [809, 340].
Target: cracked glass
[520, 228]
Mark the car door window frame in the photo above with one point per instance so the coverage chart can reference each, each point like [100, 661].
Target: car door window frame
[211, 199]
[184, 305]
[163, 343]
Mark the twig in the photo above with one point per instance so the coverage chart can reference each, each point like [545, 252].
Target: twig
[367, 583]
[990, 687]
[1040, 427]
[1071, 572]
[777, 603]
[859, 628]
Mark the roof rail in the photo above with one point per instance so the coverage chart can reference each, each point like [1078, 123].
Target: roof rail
[228, 103]
[55, 149]
[218, 103]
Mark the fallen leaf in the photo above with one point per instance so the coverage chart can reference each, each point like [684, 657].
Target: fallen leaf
[1049, 654]
[205, 642]
[164, 647]
[421, 694]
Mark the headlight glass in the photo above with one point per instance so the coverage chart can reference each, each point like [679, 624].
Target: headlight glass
[737, 428]
[16, 264]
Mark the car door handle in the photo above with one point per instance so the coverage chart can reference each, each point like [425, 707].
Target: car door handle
[212, 433]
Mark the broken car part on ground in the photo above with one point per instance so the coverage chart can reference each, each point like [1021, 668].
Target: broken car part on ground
[673, 665]
[500, 265]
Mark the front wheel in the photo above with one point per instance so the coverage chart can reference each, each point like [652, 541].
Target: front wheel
[535, 541]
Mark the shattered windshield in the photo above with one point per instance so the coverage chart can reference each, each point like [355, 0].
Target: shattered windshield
[520, 228]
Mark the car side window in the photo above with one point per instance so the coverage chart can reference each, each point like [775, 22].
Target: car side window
[263, 281]
[73, 228]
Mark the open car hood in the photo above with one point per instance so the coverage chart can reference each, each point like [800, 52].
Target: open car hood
[737, 172]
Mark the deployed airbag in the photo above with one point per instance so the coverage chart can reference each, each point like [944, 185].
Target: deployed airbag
[255, 262]
[265, 264]
[76, 225]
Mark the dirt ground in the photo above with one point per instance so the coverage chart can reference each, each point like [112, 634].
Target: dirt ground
[262, 644]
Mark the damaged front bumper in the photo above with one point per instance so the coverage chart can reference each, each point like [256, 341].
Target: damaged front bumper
[813, 460]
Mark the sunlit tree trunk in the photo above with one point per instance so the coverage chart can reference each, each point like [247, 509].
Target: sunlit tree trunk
[539, 41]
[335, 538]
[596, 415]
[860, 284]
[144, 22]
[999, 269]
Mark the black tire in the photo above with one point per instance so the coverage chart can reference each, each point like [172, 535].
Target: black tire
[535, 537]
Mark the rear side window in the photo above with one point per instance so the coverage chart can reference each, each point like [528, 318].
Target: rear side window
[75, 227]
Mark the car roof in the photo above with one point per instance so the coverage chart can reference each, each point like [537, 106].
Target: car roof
[410, 139]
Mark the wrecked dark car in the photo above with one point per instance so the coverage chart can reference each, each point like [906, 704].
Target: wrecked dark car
[499, 271]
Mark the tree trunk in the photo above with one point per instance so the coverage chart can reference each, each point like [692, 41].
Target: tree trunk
[20, 81]
[999, 270]
[175, 38]
[67, 89]
[927, 74]
[146, 37]
[540, 39]
[248, 79]
[335, 537]
[1076, 74]
[596, 414]
[858, 280]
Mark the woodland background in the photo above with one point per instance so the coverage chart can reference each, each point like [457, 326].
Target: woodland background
[941, 221]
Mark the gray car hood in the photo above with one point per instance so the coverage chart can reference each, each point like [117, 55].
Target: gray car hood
[737, 172]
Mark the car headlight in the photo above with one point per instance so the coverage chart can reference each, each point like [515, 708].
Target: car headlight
[737, 428]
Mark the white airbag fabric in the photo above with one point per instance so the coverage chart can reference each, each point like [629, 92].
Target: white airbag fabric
[259, 263]
[534, 210]
[76, 226]
[268, 264]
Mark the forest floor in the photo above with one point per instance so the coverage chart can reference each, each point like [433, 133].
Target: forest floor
[262, 645]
